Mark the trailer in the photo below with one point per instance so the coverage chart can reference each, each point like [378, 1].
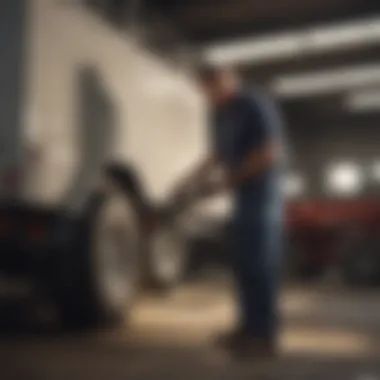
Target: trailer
[94, 130]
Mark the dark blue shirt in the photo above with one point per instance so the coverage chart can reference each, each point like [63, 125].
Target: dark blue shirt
[247, 122]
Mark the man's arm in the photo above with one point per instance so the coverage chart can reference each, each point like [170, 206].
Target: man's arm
[200, 174]
[256, 162]
[205, 168]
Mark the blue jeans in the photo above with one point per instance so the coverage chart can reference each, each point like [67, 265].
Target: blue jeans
[257, 260]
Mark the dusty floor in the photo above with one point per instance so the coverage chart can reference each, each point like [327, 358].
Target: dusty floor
[327, 334]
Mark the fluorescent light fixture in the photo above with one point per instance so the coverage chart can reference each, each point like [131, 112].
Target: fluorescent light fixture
[295, 44]
[326, 81]
[257, 50]
[294, 185]
[364, 100]
[344, 179]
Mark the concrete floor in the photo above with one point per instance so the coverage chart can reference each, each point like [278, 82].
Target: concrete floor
[328, 333]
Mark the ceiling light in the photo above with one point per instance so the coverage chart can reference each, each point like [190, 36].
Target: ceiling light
[344, 179]
[326, 81]
[258, 50]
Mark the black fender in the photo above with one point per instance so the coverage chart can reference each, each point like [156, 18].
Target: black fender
[125, 177]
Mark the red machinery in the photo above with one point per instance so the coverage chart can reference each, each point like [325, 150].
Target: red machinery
[341, 233]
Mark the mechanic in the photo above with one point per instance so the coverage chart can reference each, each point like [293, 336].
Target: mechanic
[247, 141]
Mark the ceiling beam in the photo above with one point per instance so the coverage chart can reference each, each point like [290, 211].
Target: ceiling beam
[204, 30]
[208, 14]
[175, 6]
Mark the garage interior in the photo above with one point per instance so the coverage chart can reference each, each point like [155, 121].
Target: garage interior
[275, 44]
[320, 60]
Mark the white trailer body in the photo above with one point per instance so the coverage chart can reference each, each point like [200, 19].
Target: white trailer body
[155, 115]
[78, 94]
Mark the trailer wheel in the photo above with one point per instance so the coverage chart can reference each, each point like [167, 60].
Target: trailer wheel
[103, 268]
[166, 257]
[361, 261]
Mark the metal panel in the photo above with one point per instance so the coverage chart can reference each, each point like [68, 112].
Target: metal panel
[12, 61]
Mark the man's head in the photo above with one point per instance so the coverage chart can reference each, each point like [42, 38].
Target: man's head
[218, 84]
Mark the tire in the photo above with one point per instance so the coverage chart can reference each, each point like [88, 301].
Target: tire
[166, 258]
[163, 252]
[360, 261]
[103, 267]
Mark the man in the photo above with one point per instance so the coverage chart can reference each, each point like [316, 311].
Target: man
[246, 141]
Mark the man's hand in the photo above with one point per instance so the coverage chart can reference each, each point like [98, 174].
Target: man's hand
[186, 197]
[182, 188]
[216, 187]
